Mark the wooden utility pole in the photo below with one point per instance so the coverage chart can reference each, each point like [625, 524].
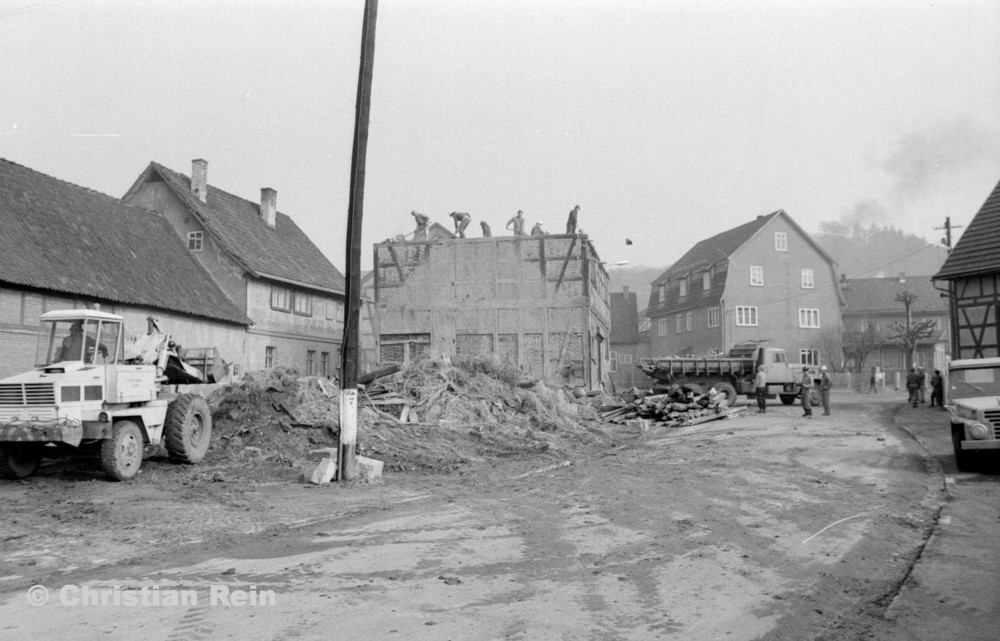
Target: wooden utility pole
[355, 208]
[947, 232]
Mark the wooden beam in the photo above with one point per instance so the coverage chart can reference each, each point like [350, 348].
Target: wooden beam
[569, 255]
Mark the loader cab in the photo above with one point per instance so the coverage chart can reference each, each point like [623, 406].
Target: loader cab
[81, 337]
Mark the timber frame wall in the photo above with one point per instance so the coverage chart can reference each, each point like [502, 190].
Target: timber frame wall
[541, 302]
[974, 318]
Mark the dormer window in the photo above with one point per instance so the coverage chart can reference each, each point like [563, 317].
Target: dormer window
[682, 286]
[195, 240]
[706, 281]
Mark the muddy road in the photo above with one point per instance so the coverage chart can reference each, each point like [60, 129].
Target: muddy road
[766, 526]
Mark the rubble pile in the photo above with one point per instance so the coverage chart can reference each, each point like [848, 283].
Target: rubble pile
[681, 405]
[436, 415]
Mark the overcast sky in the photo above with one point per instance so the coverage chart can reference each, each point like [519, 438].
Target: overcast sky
[666, 121]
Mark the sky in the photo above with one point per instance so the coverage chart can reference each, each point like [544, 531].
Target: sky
[665, 121]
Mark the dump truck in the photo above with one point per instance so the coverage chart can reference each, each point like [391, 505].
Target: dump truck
[91, 391]
[733, 374]
[974, 405]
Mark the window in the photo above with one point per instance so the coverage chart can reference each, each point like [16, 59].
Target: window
[269, 356]
[334, 310]
[780, 241]
[613, 362]
[706, 282]
[281, 299]
[807, 278]
[195, 239]
[310, 362]
[661, 326]
[625, 359]
[680, 323]
[714, 351]
[235, 370]
[713, 316]
[645, 325]
[756, 276]
[809, 318]
[746, 316]
[303, 304]
[682, 287]
[809, 356]
[324, 364]
[688, 320]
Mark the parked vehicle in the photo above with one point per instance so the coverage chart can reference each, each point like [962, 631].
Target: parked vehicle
[733, 374]
[90, 392]
[974, 404]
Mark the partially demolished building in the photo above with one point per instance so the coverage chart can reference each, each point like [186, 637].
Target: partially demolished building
[540, 302]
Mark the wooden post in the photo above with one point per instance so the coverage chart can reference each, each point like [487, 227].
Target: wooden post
[355, 209]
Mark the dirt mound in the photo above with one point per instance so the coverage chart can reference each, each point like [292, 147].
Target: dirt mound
[434, 416]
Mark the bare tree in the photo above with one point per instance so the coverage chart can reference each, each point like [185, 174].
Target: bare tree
[910, 333]
[830, 344]
[859, 343]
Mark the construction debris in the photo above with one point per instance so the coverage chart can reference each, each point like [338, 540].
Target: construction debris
[679, 406]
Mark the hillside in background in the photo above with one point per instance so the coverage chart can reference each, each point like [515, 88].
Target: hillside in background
[879, 251]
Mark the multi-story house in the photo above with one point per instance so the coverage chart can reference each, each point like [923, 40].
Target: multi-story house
[262, 261]
[63, 246]
[873, 313]
[765, 280]
[972, 275]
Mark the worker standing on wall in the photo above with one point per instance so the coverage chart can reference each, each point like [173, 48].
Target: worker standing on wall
[516, 223]
[420, 233]
[462, 221]
[487, 232]
[571, 221]
[537, 230]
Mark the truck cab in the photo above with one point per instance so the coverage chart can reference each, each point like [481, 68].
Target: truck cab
[974, 404]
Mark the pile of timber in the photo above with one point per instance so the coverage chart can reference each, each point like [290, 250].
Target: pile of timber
[676, 408]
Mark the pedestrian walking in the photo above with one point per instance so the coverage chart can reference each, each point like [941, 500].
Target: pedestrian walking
[462, 221]
[516, 223]
[760, 389]
[937, 389]
[873, 383]
[807, 387]
[912, 383]
[571, 221]
[824, 390]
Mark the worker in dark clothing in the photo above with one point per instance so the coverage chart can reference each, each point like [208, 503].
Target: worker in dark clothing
[462, 221]
[487, 232]
[937, 389]
[760, 390]
[807, 387]
[420, 233]
[921, 384]
[571, 221]
[72, 345]
[537, 230]
[912, 384]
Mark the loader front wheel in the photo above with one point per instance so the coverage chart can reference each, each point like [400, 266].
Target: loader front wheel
[121, 455]
[18, 461]
[188, 428]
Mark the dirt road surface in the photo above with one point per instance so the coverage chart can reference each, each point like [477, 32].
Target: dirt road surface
[761, 526]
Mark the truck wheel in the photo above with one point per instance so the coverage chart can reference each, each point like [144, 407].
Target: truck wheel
[18, 461]
[727, 392]
[121, 455]
[964, 460]
[188, 428]
[787, 399]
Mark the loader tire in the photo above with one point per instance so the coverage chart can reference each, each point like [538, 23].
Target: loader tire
[18, 461]
[121, 455]
[188, 428]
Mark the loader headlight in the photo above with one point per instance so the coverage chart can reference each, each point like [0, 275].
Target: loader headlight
[978, 431]
[103, 417]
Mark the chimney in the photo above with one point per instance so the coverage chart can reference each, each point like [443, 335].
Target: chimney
[624, 289]
[199, 179]
[268, 206]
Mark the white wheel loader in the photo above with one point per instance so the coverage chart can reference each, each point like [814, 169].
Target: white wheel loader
[93, 391]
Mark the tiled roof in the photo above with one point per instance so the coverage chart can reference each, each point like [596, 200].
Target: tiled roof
[976, 251]
[717, 248]
[877, 296]
[624, 318]
[64, 238]
[283, 252]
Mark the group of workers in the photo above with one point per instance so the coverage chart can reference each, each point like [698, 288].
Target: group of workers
[516, 224]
